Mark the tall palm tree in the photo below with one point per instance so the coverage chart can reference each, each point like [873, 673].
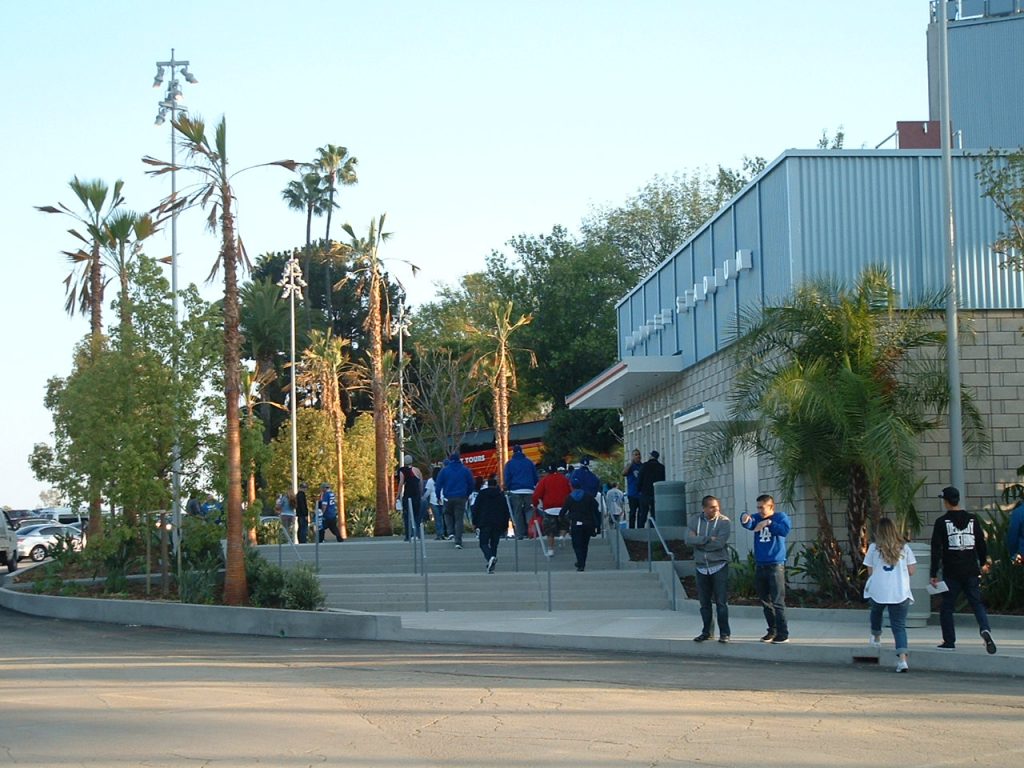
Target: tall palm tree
[86, 293]
[208, 160]
[324, 365]
[307, 194]
[838, 384]
[336, 166]
[497, 364]
[367, 265]
[124, 233]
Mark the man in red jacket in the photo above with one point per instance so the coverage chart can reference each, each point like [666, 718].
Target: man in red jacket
[549, 497]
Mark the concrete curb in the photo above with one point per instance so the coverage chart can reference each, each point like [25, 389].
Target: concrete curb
[267, 622]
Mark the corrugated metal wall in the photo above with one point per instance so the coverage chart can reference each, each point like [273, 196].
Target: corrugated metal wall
[823, 213]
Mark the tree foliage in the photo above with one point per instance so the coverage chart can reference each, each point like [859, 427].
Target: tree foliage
[1002, 181]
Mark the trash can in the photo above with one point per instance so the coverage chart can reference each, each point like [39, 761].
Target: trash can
[921, 609]
[670, 503]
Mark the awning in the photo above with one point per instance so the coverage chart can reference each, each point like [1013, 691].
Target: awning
[624, 381]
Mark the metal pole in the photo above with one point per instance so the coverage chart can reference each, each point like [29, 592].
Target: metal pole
[426, 575]
[956, 444]
[294, 408]
[401, 384]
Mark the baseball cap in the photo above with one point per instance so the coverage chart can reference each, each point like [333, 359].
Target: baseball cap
[950, 494]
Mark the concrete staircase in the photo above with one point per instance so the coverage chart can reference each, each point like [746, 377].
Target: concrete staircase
[382, 575]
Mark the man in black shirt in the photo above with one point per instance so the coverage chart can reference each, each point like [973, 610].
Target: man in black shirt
[958, 545]
[652, 471]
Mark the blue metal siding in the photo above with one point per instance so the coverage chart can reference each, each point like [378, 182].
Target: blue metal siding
[829, 213]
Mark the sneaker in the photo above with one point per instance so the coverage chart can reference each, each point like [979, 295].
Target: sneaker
[901, 666]
[702, 637]
[780, 639]
[451, 536]
[724, 639]
[946, 646]
[458, 546]
[490, 564]
[990, 644]
[769, 636]
[875, 641]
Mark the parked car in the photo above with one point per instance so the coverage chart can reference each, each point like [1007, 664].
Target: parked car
[35, 541]
[29, 522]
[8, 545]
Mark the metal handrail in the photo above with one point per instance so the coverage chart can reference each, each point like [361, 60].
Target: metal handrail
[672, 557]
[548, 556]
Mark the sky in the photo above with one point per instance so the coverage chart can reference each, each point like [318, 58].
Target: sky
[473, 121]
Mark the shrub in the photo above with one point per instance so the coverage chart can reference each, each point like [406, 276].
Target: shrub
[302, 590]
[200, 542]
[741, 575]
[200, 583]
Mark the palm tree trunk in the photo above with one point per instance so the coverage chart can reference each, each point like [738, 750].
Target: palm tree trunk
[236, 590]
[830, 547]
[858, 512]
[338, 419]
[382, 516]
[308, 262]
[327, 244]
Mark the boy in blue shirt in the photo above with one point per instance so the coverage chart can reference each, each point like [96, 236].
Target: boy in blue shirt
[770, 527]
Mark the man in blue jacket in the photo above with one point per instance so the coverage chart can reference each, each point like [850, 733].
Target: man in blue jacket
[1015, 535]
[520, 480]
[770, 527]
[455, 483]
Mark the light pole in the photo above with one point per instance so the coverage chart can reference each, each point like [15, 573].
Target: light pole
[292, 283]
[402, 327]
[170, 103]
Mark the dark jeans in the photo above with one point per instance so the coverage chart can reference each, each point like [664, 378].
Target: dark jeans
[634, 509]
[770, 583]
[489, 540]
[646, 509]
[412, 516]
[580, 543]
[330, 524]
[303, 529]
[438, 513]
[454, 510]
[971, 587]
[714, 588]
[897, 622]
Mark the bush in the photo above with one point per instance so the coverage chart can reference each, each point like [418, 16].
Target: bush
[200, 542]
[812, 563]
[302, 590]
[741, 575]
[200, 583]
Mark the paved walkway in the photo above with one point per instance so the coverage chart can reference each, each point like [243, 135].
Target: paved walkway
[816, 636]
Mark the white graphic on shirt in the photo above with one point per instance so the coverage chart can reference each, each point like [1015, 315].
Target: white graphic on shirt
[960, 540]
[766, 536]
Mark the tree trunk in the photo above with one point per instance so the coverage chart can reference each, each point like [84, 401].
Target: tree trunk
[831, 549]
[236, 591]
[858, 512]
[381, 428]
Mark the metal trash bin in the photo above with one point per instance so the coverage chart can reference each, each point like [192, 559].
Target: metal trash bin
[670, 503]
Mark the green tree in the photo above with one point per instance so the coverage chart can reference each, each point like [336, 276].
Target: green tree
[124, 233]
[208, 160]
[1002, 181]
[838, 384]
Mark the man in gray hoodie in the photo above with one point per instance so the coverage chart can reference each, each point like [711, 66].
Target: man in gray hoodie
[709, 535]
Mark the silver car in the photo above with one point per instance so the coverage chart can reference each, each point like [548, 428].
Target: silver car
[35, 541]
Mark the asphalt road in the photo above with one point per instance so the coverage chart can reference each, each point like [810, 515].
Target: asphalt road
[99, 695]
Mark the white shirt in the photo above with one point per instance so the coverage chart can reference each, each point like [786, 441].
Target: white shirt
[888, 583]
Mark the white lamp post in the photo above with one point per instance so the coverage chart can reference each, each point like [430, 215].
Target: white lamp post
[292, 283]
[170, 103]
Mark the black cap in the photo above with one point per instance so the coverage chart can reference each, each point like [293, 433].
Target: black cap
[950, 494]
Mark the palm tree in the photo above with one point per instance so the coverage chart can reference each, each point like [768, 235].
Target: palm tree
[309, 195]
[324, 363]
[87, 292]
[336, 165]
[837, 385]
[367, 264]
[497, 364]
[124, 232]
[209, 161]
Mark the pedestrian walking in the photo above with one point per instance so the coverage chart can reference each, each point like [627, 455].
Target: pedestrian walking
[890, 563]
[491, 515]
[632, 475]
[959, 549]
[302, 513]
[584, 519]
[520, 480]
[285, 508]
[328, 505]
[410, 489]
[455, 483]
[770, 527]
[709, 536]
[652, 471]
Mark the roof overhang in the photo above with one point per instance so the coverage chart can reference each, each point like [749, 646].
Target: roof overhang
[624, 381]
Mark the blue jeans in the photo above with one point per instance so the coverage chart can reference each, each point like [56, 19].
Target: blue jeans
[971, 587]
[714, 588]
[770, 583]
[897, 622]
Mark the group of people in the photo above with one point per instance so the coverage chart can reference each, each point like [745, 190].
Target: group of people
[958, 550]
[293, 513]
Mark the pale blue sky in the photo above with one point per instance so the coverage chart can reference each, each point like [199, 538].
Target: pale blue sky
[473, 121]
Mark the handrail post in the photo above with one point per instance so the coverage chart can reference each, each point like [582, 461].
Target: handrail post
[647, 526]
[426, 576]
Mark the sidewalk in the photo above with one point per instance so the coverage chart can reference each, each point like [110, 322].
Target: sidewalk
[816, 637]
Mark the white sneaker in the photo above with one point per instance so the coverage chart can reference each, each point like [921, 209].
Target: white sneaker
[875, 641]
[901, 666]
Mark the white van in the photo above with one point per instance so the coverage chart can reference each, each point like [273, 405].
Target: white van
[8, 545]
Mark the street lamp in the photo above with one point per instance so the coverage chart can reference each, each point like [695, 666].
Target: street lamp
[170, 104]
[292, 283]
[403, 327]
